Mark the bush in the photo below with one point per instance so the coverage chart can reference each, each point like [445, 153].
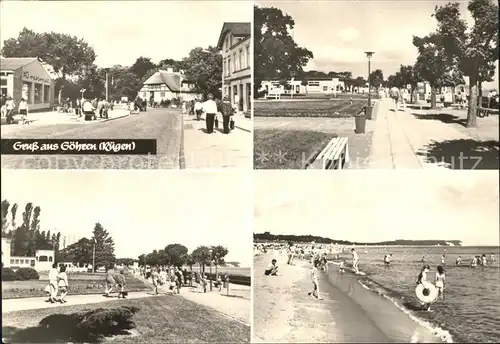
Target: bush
[8, 275]
[24, 274]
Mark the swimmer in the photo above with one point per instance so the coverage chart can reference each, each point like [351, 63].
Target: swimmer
[483, 260]
[387, 259]
[355, 260]
[439, 280]
[342, 267]
[442, 259]
[324, 262]
[459, 260]
[272, 270]
[492, 257]
[421, 279]
[422, 260]
[473, 262]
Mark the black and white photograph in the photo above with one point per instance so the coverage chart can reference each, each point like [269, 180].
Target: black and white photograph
[387, 257]
[125, 257]
[376, 85]
[175, 72]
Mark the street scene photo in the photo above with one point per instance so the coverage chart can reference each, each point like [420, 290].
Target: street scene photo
[102, 75]
[87, 260]
[387, 258]
[385, 85]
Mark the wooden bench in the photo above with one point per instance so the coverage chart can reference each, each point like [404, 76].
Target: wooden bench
[334, 156]
[273, 95]
[485, 112]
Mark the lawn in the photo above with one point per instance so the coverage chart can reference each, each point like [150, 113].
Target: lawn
[79, 284]
[287, 149]
[162, 319]
[339, 108]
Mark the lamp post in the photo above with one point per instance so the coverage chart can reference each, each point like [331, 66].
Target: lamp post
[93, 257]
[369, 54]
[211, 260]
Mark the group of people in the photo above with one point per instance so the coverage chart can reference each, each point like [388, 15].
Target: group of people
[212, 109]
[425, 287]
[8, 109]
[58, 284]
[479, 260]
[92, 109]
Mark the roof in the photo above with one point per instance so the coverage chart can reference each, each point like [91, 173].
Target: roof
[237, 29]
[172, 80]
[14, 63]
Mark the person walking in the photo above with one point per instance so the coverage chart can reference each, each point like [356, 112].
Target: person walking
[53, 274]
[210, 108]
[10, 105]
[394, 94]
[227, 112]
[23, 111]
[88, 110]
[198, 109]
[62, 283]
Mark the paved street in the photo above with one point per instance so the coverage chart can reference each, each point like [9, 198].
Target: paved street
[164, 125]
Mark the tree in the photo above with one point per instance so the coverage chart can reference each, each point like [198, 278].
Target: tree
[204, 68]
[376, 78]
[276, 54]
[472, 48]
[202, 256]
[218, 254]
[126, 84]
[190, 261]
[5, 214]
[432, 63]
[141, 66]
[104, 247]
[176, 254]
[125, 261]
[409, 76]
[79, 253]
[142, 259]
[305, 82]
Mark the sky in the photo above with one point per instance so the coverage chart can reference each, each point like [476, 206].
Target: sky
[339, 32]
[122, 31]
[141, 210]
[380, 205]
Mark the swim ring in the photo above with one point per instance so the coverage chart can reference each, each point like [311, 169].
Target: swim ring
[426, 292]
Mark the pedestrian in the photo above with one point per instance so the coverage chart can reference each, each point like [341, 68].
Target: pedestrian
[178, 274]
[3, 108]
[62, 283]
[210, 109]
[23, 111]
[394, 93]
[10, 105]
[315, 281]
[227, 112]
[198, 109]
[88, 110]
[53, 274]
[355, 260]
[184, 108]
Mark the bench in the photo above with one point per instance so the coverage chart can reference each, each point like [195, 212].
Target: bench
[485, 112]
[334, 156]
[273, 95]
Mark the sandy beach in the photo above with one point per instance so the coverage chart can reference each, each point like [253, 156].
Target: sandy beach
[284, 313]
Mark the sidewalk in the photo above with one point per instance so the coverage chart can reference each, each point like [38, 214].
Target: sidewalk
[401, 140]
[53, 117]
[12, 305]
[217, 150]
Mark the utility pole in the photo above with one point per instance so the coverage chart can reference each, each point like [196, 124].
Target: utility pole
[107, 86]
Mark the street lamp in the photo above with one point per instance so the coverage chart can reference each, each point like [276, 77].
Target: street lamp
[369, 54]
[82, 91]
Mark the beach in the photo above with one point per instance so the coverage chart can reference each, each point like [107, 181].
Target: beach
[284, 313]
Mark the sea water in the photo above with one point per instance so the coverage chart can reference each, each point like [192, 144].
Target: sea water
[470, 311]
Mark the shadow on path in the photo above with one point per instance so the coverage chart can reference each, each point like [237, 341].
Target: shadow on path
[463, 154]
[443, 117]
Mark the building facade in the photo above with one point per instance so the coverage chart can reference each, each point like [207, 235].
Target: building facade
[28, 78]
[313, 86]
[235, 46]
[167, 85]
[42, 261]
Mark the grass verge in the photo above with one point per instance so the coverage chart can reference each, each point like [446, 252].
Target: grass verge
[163, 319]
[323, 108]
[287, 149]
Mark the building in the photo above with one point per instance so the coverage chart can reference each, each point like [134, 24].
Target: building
[234, 45]
[167, 85]
[42, 261]
[28, 78]
[313, 86]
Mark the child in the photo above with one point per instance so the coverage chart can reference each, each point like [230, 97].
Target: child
[342, 267]
[421, 279]
[219, 283]
[314, 278]
[63, 283]
[439, 280]
[272, 270]
[23, 111]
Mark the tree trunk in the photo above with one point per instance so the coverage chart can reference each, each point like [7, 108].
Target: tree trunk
[433, 97]
[472, 111]
[480, 92]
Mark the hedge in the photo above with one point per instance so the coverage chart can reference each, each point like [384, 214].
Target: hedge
[24, 274]
[8, 275]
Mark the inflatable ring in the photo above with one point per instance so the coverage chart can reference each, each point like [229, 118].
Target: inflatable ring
[426, 292]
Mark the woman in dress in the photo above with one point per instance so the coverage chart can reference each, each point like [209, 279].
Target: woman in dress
[63, 283]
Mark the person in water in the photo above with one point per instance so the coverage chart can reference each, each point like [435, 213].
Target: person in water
[473, 262]
[421, 279]
[355, 260]
[439, 280]
[459, 260]
[342, 267]
[272, 270]
[423, 259]
[387, 259]
[484, 260]
[442, 259]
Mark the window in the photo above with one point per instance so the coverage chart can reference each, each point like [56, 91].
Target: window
[46, 94]
[12, 261]
[50, 259]
[26, 92]
[21, 261]
[144, 94]
[325, 88]
[42, 259]
[313, 83]
[38, 93]
[248, 56]
[235, 68]
[3, 82]
[16, 261]
[229, 65]
[162, 94]
[242, 64]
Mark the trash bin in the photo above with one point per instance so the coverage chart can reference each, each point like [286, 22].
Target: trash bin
[360, 121]
[368, 111]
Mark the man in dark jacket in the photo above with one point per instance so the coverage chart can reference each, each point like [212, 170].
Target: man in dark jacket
[227, 111]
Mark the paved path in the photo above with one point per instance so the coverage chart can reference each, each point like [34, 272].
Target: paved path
[54, 117]
[404, 139]
[218, 150]
[164, 125]
[12, 305]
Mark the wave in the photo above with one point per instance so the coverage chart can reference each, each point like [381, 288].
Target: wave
[394, 297]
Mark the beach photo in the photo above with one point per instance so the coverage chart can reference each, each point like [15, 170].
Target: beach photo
[125, 72]
[376, 85]
[125, 257]
[382, 257]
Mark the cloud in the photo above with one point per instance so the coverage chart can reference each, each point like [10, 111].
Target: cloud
[348, 35]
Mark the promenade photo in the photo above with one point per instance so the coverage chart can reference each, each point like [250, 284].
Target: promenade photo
[392, 257]
[186, 85]
[407, 85]
[85, 260]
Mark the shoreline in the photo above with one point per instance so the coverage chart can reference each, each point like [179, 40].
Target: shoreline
[350, 311]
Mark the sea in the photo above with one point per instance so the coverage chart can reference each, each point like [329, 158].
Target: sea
[470, 309]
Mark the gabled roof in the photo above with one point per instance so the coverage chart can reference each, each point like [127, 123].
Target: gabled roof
[237, 29]
[172, 80]
[14, 63]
